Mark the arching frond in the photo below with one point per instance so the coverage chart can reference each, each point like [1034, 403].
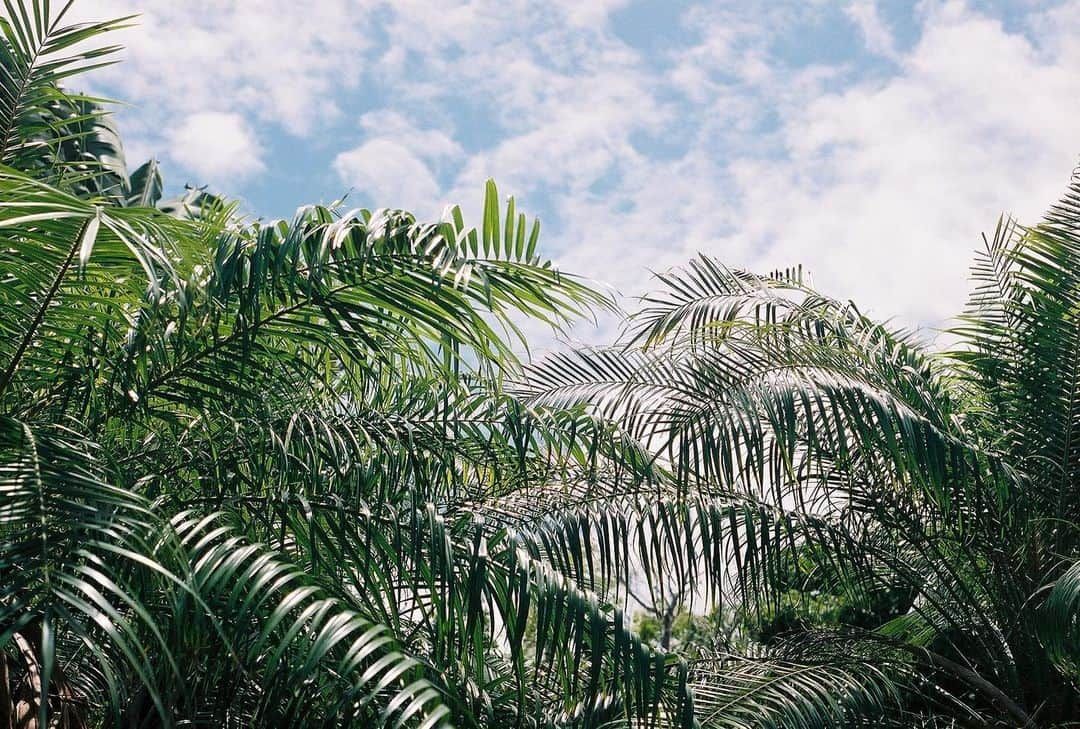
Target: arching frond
[74, 552]
[1060, 631]
[780, 693]
[39, 50]
[261, 643]
[1020, 346]
[71, 271]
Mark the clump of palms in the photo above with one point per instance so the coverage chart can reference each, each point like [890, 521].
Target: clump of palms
[266, 473]
[271, 473]
[801, 436]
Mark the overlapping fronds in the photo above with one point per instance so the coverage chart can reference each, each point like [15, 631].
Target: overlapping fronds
[39, 124]
[774, 693]
[73, 272]
[844, 446]
[259, 641]
[271, 473]
[328, 387]
[72, 548]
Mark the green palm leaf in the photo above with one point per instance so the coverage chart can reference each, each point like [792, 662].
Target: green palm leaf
[37, 52]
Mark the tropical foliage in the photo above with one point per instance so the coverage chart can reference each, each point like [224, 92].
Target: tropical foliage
[814, 452]
[292, 473]
[265, 473]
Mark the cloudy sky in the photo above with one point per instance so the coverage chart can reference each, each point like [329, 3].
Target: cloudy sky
[871, 142]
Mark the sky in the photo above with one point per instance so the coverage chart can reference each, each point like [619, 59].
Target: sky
[871, 142]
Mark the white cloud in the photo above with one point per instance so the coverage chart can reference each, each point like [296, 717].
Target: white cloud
[277, 60]
[219, 148]
[579, 132]
[879, 184]
[434, 144]
[201, 67]
[290, 65]
[881, 188]
[391, 175]
[588, 12]
[1057, 28]
[886, 186]
[875, 32]
[397, 164]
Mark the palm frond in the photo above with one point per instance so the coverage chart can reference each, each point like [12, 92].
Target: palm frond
[779, 693]
[73, 557]
[344, 292]
[37, 52]
[1059, 623]
[71, 269]
[288, 654]
[1021, 347]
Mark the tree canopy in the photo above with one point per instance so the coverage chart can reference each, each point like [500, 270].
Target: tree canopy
[293, 472]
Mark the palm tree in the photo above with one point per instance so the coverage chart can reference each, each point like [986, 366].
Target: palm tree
[267, 473]
[807, 444]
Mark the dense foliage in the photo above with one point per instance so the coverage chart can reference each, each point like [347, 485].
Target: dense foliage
[903, 522]
[291, 473]
[265, 473]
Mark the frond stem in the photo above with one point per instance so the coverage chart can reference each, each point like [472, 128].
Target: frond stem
[39, 315]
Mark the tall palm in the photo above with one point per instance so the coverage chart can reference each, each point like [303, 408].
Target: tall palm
[803, 438]
[267, 473]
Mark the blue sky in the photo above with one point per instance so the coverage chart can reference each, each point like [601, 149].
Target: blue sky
[871, 142]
